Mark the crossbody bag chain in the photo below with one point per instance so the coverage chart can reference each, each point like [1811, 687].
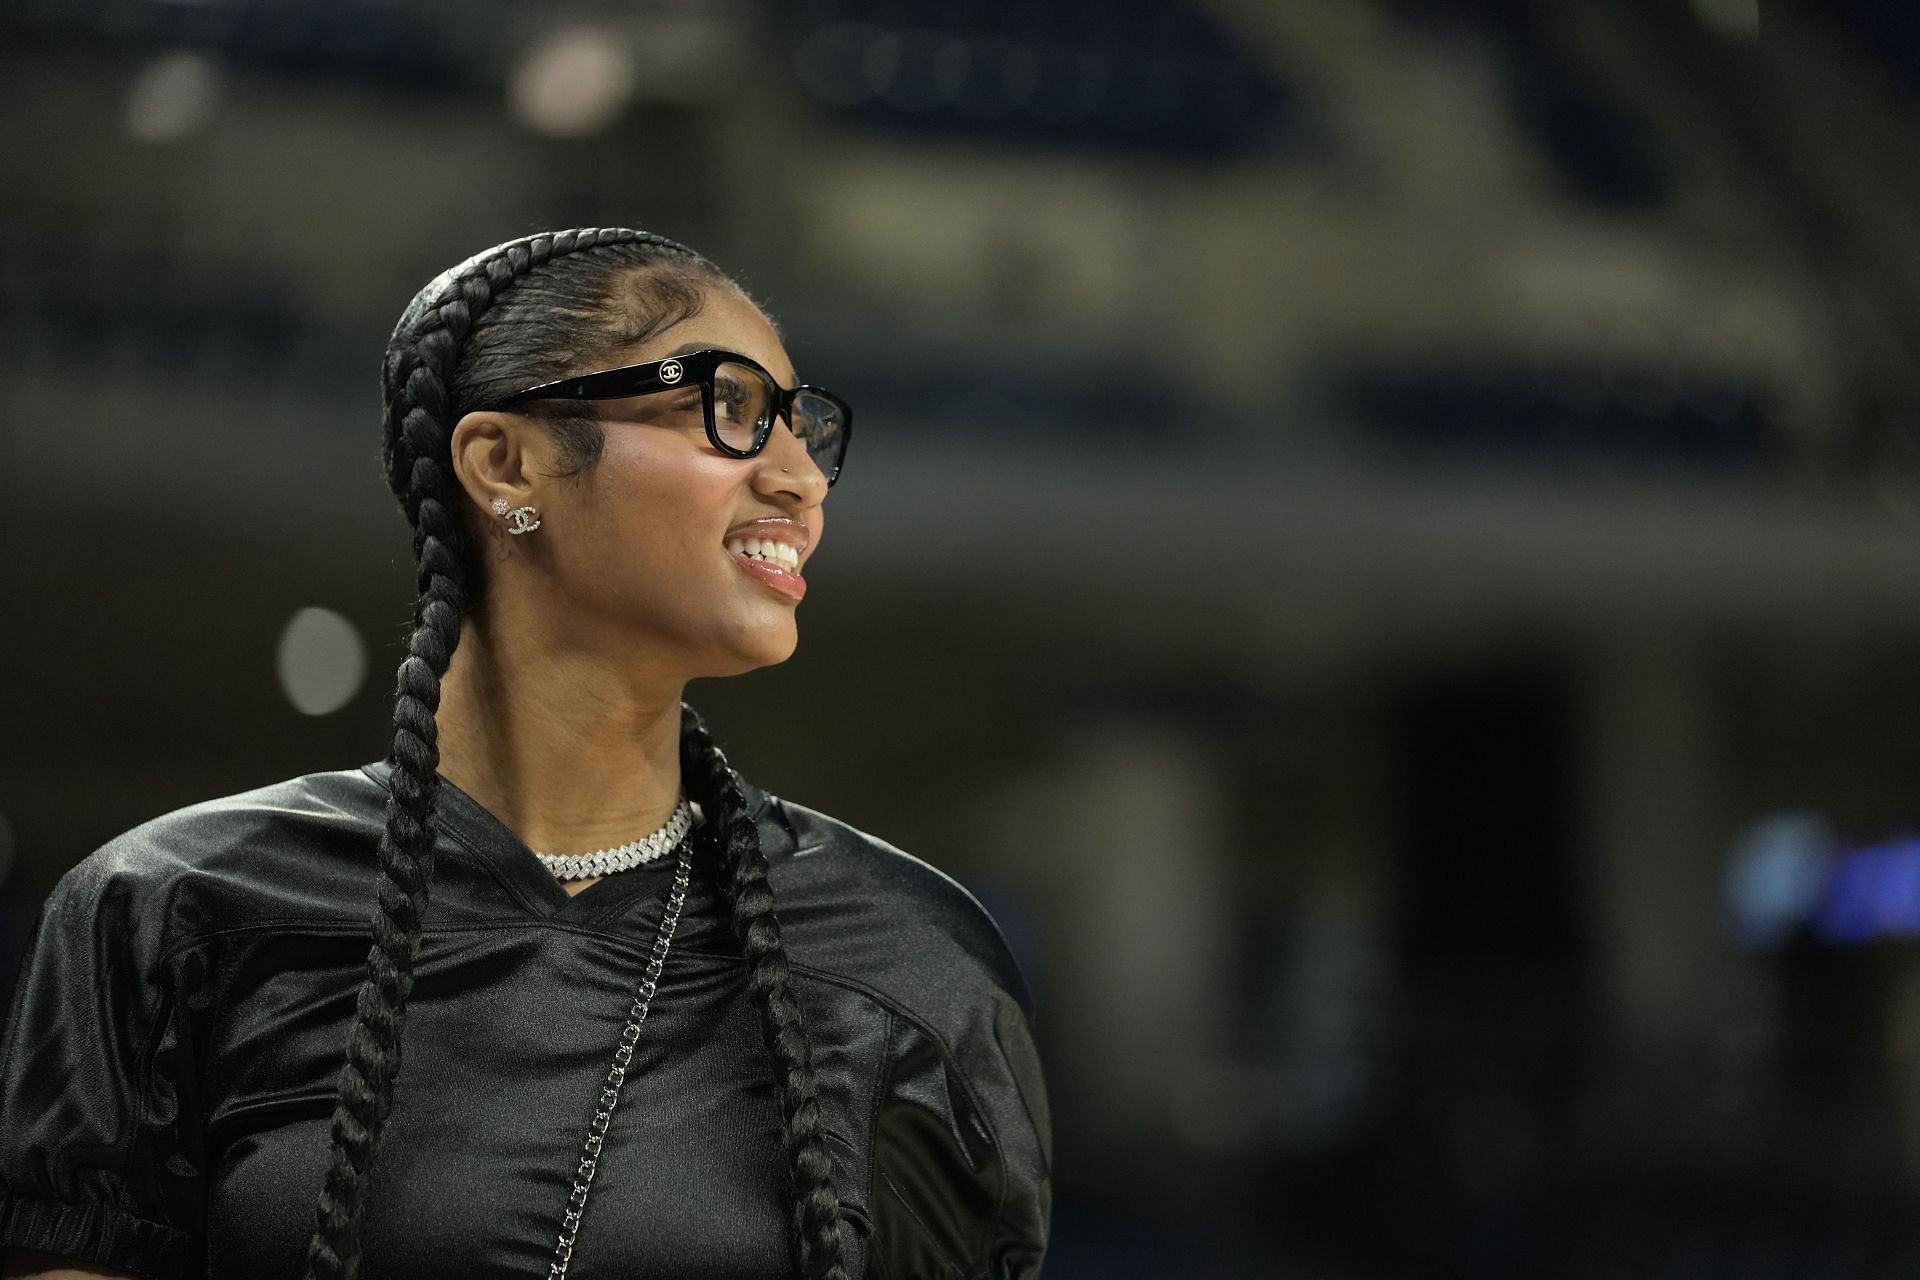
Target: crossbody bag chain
[617, 1074]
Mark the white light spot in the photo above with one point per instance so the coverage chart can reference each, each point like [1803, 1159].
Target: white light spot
[575, 82]
[1734, 19]
[172, 98]
[322, 661]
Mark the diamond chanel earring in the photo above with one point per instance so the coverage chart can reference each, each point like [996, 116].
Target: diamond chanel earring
[519, 519]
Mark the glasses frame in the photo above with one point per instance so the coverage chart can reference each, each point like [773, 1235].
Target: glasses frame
[691, 368]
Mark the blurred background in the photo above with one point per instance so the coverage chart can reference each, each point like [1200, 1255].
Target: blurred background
[1383, 543]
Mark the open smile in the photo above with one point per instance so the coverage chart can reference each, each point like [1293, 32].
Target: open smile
[769, 551]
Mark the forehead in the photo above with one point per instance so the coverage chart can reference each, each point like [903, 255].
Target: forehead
[725, 320]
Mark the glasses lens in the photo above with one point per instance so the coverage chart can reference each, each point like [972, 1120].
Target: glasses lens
[742, 404]
[821, 424]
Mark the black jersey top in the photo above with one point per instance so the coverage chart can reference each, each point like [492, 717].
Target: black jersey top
[167, 1074]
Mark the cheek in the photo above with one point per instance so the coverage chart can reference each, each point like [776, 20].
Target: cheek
[664, 508]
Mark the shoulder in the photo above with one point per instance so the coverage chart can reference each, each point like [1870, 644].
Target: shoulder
[860, 909]
[180, 872]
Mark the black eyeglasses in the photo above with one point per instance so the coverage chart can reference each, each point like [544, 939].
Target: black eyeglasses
[740, 400]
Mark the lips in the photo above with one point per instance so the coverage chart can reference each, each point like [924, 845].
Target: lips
[769, 551]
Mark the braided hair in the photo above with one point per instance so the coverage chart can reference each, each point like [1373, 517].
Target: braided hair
[521, 313]
[742, 869]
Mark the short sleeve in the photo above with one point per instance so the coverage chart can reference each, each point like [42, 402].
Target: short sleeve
[101, 1158]
[962, 1153]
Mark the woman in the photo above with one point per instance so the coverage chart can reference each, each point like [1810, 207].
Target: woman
[629, 1064]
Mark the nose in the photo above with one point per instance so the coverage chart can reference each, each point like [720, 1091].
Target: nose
[785, 470]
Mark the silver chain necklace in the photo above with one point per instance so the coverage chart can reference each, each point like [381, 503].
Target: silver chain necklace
[622, 857]
[622, 1058]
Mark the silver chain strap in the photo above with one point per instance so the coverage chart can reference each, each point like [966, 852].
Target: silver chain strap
[617, 1074]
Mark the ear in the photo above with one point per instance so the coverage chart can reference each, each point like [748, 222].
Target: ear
[492, 457]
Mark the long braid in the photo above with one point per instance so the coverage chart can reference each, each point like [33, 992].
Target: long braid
[742, 874]
[420, 369]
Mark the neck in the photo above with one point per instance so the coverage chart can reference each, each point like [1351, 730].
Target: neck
[570, 751]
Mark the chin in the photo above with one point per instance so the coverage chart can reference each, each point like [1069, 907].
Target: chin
[751, 652]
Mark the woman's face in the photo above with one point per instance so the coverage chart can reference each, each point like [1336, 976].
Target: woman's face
[636, 549]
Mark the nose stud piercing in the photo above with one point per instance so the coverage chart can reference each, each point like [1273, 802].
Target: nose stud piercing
[519, 519]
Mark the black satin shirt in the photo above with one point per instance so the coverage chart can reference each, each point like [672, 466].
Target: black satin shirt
[167, 1072]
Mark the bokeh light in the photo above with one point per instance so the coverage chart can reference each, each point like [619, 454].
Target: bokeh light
[172, 98]
[322, 661]
[574, 82]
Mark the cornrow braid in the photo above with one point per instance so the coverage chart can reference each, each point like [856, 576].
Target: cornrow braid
[742, 876]
[422, 362]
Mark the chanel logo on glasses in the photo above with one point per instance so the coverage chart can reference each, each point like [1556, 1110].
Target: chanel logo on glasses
[670, 371]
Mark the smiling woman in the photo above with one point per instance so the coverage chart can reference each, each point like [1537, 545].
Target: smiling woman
[656, 1021]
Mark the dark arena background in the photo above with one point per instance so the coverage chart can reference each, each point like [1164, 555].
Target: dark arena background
[1383, 542]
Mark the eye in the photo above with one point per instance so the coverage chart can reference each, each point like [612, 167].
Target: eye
[730, 398]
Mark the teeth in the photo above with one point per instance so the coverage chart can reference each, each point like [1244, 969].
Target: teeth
[767, 551]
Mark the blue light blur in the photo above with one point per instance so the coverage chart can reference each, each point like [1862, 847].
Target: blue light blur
[1789, 874]
[1873, 893]
[1778, 876]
